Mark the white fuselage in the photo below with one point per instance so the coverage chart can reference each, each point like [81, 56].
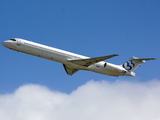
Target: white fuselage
[63, 57]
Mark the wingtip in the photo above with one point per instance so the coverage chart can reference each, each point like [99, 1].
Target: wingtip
[116, 55]
[152, 59]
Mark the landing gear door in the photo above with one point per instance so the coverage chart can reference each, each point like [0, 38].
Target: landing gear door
[18, 42]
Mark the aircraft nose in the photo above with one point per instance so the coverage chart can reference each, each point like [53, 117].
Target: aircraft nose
[5, 43]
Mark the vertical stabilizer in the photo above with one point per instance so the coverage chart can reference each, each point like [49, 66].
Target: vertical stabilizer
[134, 62]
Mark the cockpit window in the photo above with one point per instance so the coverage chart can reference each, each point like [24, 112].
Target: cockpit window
[13, 39]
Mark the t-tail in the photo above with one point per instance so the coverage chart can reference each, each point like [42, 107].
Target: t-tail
[134, 62]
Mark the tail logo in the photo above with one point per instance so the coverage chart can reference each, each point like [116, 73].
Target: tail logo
[128, 65]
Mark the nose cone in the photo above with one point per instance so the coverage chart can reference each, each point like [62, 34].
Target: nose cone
[5, 43]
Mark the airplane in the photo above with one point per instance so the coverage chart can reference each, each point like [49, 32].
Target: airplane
[73, 62]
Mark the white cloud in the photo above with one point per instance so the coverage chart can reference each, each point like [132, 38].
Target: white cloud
[121, 100]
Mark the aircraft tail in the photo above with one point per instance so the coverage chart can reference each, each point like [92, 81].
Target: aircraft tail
[134, 62]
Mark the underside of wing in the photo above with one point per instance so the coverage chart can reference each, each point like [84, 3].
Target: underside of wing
[70, 70]
[90, 61]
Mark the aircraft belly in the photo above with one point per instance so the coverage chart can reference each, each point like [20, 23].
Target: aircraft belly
[99, 69]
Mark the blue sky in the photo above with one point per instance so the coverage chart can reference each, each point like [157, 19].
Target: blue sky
[90, 28]
[36, 88]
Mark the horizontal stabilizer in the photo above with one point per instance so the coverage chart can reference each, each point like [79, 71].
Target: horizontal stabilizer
[90, 61]
[141, 59]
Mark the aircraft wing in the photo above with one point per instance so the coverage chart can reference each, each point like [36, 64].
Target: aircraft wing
[70, 70]
[90, 61]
